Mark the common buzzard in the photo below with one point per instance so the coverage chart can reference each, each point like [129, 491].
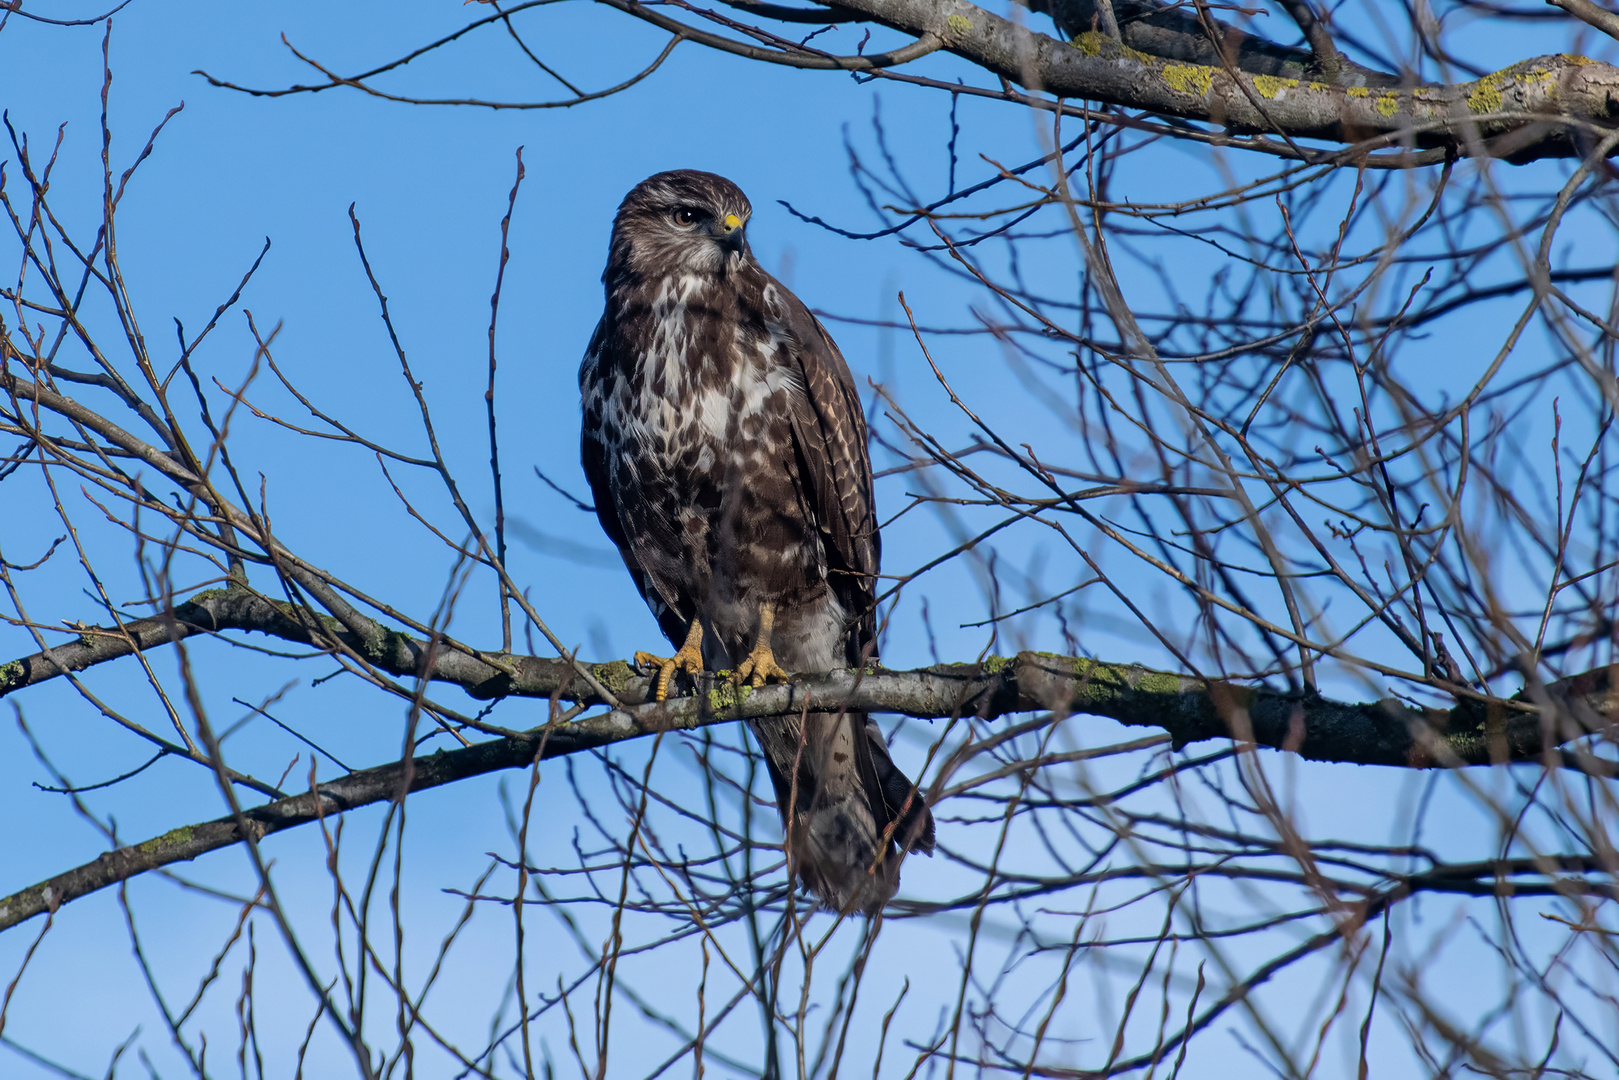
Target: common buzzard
[724, 442]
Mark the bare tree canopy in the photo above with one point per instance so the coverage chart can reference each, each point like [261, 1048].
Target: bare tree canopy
[1241, 386]
[1168, 60]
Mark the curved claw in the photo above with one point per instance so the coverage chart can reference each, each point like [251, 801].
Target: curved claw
[759, 667]
[689, 659]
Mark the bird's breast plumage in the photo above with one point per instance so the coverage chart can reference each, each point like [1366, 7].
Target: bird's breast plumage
[687, 390]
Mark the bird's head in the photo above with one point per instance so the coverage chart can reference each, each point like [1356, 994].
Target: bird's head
[684, 222]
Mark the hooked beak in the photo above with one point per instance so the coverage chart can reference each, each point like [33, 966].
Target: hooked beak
[729, 232]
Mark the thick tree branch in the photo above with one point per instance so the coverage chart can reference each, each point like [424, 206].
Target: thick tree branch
[1547, 106]
[1163, 64]
[310, 578]
[1386, 732]
[1174, 32]
[1592, 14]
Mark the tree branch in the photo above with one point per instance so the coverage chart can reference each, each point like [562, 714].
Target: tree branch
[1326, 59]
[1174, 32]
[1542, 107]
[831, 13]
[1591, 14]
[357, 789]
[369, 633]
[1189, 708]
[1386, 732]
[1166, 65]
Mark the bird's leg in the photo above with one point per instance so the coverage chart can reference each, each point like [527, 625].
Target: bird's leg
[689, 659]
[760, 666]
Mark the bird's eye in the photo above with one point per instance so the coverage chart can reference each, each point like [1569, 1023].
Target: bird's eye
[685, 217]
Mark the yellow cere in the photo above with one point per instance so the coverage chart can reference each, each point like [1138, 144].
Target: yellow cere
[731, 222]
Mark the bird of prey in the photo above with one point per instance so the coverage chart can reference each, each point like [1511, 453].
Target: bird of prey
[726, 448]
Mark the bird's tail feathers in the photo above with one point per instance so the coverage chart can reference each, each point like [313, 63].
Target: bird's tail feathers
[847, 793]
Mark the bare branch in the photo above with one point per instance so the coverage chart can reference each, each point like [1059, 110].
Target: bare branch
[1592, 14]
[1175, 32]
[1535, 108]
[1189, 708]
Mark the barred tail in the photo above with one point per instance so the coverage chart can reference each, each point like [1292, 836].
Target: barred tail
[845, 793]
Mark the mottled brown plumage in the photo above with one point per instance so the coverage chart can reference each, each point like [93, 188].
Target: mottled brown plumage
[724, 441]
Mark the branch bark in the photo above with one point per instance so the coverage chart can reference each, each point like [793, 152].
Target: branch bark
[1591, 14]
[1542, 107]
[359, 788]
[1325, 58]
[1164, 63]
[316, 583]
[1174, 32]
[1189, 708]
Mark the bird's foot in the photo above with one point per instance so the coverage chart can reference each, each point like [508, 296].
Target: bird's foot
[759, 667]
[689, 659]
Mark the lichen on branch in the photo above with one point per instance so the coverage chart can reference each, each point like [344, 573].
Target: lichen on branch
[1190, 708]
[1540, 107]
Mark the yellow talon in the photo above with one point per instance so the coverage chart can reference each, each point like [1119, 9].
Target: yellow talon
[760, 666]
[689, 659]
